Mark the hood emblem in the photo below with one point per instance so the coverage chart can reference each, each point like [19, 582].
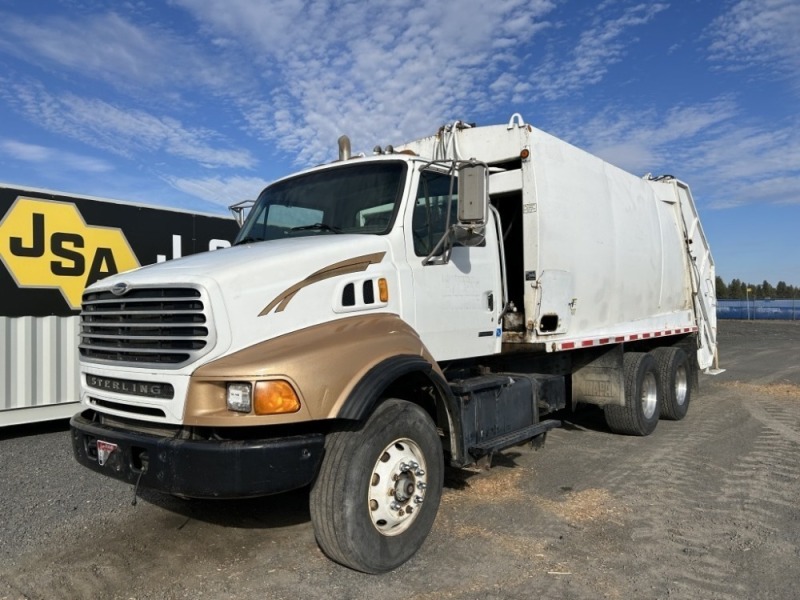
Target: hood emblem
[119, 288]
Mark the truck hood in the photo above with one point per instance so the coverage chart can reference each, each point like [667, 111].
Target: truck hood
[243, 265]
[265, 289]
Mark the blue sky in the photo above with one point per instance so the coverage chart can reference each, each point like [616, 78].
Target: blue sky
[199, 103]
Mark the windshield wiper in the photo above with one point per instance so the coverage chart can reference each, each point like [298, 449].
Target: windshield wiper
[319, 226]
[247, 240]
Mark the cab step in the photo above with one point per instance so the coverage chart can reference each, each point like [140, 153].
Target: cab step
[512, 438]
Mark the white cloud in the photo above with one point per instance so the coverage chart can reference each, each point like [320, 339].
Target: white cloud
[386, 72]
[761, 33]
[125, 132]
[220, 190]
[750, 164]
[598, 48]
[728, 160]
[111, 48]
[642, 141]
[34, 153]
[383, 72]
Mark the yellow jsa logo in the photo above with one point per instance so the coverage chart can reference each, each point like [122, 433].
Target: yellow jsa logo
[48, 244]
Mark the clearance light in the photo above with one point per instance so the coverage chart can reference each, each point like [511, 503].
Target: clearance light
[383, 290]
[275, 397]
[525, 153]
[239, 397]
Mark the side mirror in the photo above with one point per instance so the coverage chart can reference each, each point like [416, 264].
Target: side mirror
[473, 194]
[239, 210]
[473, 204]
[471, 214]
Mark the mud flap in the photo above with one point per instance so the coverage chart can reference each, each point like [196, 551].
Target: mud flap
[600, 380]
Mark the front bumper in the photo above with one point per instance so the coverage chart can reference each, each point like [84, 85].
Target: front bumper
[200, 468]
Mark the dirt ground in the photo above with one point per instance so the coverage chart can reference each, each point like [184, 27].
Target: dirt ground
[705, 508]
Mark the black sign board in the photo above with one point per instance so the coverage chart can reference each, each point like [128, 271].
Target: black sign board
[52, 246]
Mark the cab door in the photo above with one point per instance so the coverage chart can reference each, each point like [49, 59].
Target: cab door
[456, 304]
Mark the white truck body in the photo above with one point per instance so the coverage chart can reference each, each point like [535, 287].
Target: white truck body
[603, 250]
[376, 316]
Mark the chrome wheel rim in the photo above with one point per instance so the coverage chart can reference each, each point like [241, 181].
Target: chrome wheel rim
[649, 395]
[397, 487]
[681, 386]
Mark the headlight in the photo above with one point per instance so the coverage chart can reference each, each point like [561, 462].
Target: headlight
[239, 397]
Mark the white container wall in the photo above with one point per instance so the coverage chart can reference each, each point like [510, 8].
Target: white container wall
[38, 368]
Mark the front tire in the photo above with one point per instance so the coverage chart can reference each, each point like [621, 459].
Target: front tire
[640, 414]
[378, 490]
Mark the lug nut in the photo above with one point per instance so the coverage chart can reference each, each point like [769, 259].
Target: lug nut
[421, 485]
[419, 473]
[418, 499]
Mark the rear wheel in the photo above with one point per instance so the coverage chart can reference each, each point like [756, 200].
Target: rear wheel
[640, 414]
[673, 372]
[378, 491]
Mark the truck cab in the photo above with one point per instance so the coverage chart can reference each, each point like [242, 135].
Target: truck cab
[222, 375]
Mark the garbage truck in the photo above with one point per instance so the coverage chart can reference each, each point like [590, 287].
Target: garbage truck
[379, 317]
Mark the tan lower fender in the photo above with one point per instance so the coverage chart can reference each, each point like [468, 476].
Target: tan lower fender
[323, 363]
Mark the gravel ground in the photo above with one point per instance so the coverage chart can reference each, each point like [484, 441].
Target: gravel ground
[704, 508]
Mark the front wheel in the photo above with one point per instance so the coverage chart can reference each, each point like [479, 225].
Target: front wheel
[378, 490]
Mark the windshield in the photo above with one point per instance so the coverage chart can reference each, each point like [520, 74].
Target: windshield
[361, 198]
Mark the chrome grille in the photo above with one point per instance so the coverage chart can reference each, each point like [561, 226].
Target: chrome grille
[161, 326]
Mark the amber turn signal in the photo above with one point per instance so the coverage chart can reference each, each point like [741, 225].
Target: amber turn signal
[275, 397]
[383, 290]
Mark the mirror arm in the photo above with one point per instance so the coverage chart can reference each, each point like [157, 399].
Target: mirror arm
[440, 259]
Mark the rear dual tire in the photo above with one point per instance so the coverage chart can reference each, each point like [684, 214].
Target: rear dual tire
[674, 371]
[639, 415]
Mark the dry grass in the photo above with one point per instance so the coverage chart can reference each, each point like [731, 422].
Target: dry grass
[584, 506]
[498, 485]
[503, 485]
[520, 546]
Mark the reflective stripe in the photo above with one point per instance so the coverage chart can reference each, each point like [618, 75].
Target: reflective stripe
[631, 337]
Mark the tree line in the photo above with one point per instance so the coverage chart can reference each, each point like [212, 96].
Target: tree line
[738, 290]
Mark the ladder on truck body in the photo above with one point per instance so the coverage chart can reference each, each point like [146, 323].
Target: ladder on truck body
[702, 276]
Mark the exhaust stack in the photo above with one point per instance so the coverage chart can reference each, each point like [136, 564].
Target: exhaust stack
[344, 148]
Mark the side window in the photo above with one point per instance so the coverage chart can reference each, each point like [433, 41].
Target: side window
[430, 210]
